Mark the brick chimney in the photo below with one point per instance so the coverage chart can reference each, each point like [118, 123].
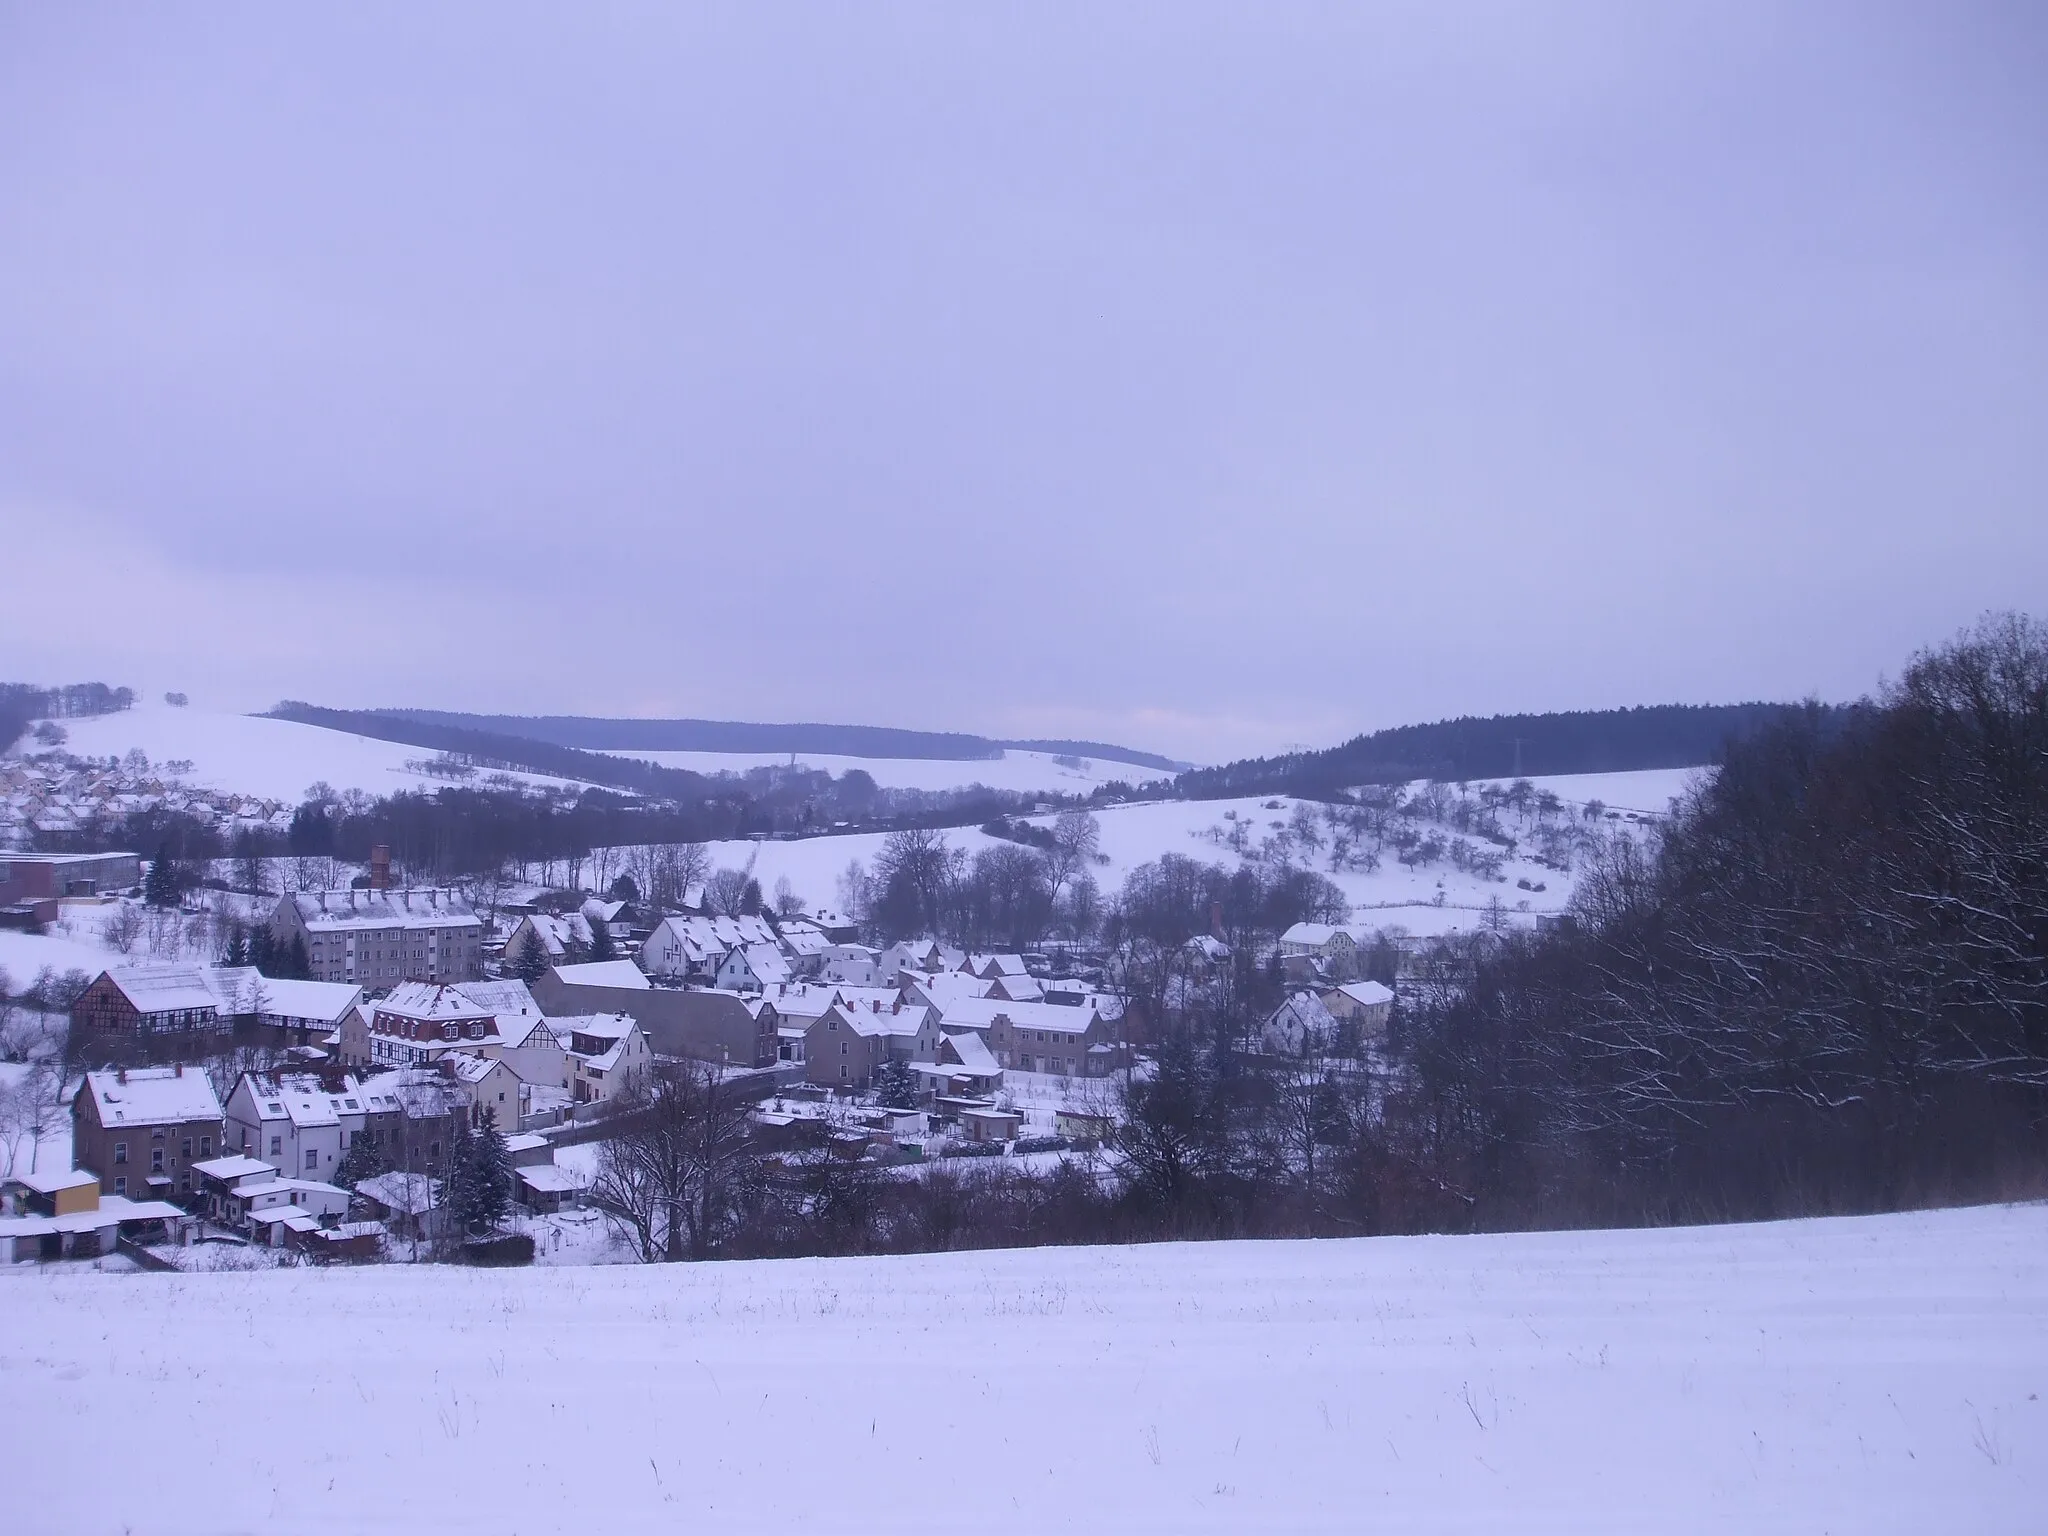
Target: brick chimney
[178, 1069]
[380, 868]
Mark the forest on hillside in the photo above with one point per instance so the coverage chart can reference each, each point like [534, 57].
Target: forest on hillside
[1504, 746]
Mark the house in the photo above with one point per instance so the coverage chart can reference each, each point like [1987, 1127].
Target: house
[855, 964]
[379, 938]
[837, 927]
[1315, 951]
[690, 949]
[544, 1188]
[418, 1024]
[487, 1086]
[752, 968]
[1069, 1041]
[299, 1122]
[927, 955]
[1362, 1004]
[409, 1204]
[726, 1027]
[508, 1002]
[221, 1177]
[562, 940]
[530, 1045]
[140, 1130]
[606, 1056]
[1300, 1026]
[990, 967]
[848, 1043]
[135, 1001]
[962, 1066]
[268, 1209]
[304, 1012]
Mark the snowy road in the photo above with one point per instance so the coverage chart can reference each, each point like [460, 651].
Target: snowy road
[1854, 1375]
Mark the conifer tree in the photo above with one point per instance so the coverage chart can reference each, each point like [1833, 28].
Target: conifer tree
[482, 1176]
[237, 952]
[601, 945]
[531, 963]
[161, 887]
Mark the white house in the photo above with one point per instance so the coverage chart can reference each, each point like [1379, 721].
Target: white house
[692, 948]
[485, 1084]
[606, 1056]
[292, 1122]
[1299, 1026]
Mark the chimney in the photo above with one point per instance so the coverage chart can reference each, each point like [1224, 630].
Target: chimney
[380, 868]
[178, 1070]
[120, 1074]
[1216, 921]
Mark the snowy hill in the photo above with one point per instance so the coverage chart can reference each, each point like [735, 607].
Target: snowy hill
[1023, 771]
[1873, 1374]
[254, 755]
[1426, 899]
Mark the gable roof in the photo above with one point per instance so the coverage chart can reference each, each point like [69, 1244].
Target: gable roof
[1367, 993]
[163, 988]
[151, 1096]
[604, 973]
[437, 1002]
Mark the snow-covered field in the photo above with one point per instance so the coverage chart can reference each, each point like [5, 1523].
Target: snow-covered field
[1875, 1374]
[1025, 772]
[1392, 895]
[249, 755]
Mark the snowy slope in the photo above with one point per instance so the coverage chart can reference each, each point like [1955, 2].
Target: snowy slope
[1026, 772]
[1867, 1375]
[244, 754]
[1391, 895]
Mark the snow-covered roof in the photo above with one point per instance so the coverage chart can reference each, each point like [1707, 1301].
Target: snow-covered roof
[434, 1002]
[300, 1097]
[53, 1183]
[548, 1179]
[1367, 993]
[604, 973]
[229, 1169]
[433, 907]
[517, 1030]
[500, 997]
[469, 1067]
[981, 1012]
[321, 1001]
[163, 988]
[406, 1192]
[152, 1096]
[974, 1054]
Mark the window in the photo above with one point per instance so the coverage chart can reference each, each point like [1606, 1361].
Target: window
[156, 1159]
[120, 1152]
[276, 1145]
[121, 1186]
[185, 1149]
[312, 1159]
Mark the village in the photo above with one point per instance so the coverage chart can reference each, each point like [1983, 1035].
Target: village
[420, 1050]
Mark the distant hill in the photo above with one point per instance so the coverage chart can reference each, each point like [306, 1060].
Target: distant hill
[595, 734]
[1499, 746]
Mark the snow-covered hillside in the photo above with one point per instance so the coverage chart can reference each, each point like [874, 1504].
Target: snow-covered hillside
[1025, 772]
[1391, 895]
[1874, 1374]
[250, 755]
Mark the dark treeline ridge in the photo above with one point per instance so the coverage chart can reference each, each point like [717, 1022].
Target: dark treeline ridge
[1824, 989]
[595, 734]
[21, 704]
[1578, 741]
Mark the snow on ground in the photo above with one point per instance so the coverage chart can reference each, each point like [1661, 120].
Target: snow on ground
[1025, 772]
[1390, 896]
[24, 954]
[1646, 791]
[1872, 1374]
[248, 755]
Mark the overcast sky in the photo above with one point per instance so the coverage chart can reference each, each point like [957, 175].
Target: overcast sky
[1207, 379]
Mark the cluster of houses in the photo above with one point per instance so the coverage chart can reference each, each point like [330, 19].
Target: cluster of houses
[55, 795]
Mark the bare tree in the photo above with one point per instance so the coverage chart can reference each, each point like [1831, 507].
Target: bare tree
[683, 1168]
[124, 929]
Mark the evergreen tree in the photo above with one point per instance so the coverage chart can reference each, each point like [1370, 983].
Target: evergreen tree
[601, 945]
[162, 886]
[263, 950]
[531, 963]
[237, 952]
[482, 1181]
[361, 1161]
[896, 1085]
[299, 965]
